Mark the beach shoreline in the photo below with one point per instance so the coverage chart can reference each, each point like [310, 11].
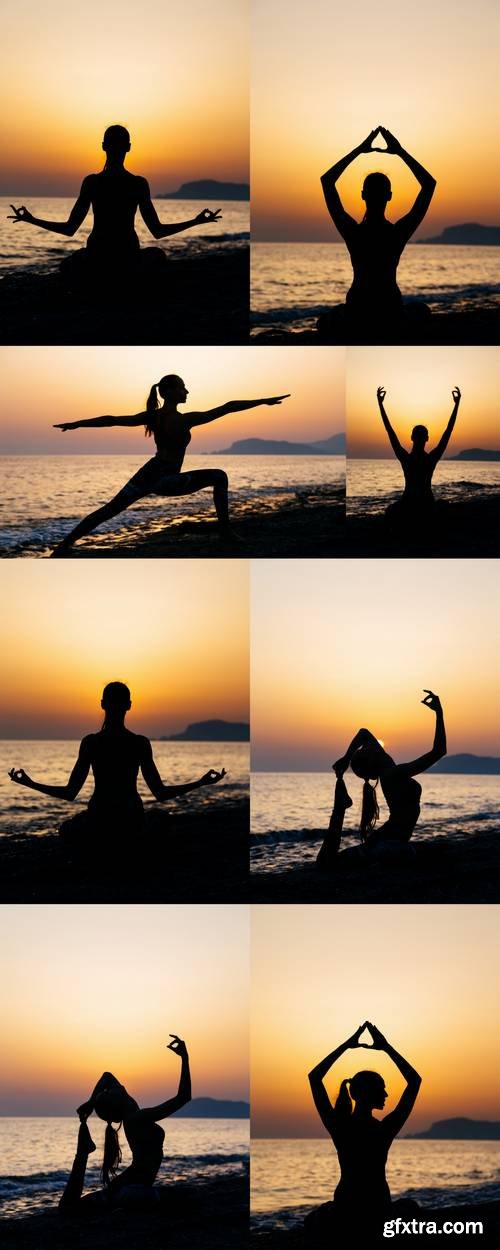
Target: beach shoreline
[298, 1238]
[198, 857]
[473, 328]
[451, 870]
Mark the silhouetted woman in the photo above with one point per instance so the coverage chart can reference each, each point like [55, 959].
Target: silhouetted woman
[368, 760]
[162, 475]
[418, 465]
[362, 1199]
[375, 244]
[114, 195]
[115, 756]
[114, 1105]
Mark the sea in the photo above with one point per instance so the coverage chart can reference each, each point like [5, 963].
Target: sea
[374, 484]
[24, 811]
[289, 1177]
[42, 497]
[26, 247]
[36, 1154]
[292, 283]
[288, 810]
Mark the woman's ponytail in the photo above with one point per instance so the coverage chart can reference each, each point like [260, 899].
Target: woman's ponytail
[369, 810]
[343, 1103]
[152, 405]
[112, 1154]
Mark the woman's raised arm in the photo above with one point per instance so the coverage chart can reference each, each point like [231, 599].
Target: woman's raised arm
[183, 1094]
[341, 219]
[140, 418]
[408, 224]
[438, 749]
[391, 434]
[317, 1074]
[399, 1116]
[234, 405]
[440, 447]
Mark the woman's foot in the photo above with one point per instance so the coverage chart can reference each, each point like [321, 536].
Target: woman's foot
[60, 551]
[85, 1143]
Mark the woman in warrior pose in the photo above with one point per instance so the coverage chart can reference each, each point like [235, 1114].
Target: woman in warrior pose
[115, 756]
[418, 465]
[114, 1105]
[362, 1199]
[114, 195]
[375, 244]
[401, 791]
[162, 474]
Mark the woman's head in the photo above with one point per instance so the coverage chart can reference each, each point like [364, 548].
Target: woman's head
[377, 191]
[419, 436]
[116, 700]
[367, 1090]
[366, 762]
[171, 389]
[116, 142]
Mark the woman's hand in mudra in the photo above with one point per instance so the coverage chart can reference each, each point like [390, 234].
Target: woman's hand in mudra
[354, 1041]
[456, 394]
[207, 215]
[275, 399]
[20, 214]
[210, 778]
[381, 394]
[393, 144]
[379, 1041]
[431, 700]
[66, 425]
[20, 777]
[178, 1046]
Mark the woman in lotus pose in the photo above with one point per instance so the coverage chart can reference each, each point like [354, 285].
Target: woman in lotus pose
[375, 244]
[418, 465]
[114, 1105]
[114, 195]
[362, 1199]
[401, 791]
[162, 475]
[115, 756]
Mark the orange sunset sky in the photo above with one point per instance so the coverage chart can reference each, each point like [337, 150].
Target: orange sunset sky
[419, 382]
[175, 75]
[175, 632]
[351, 643]
[73, 1010]
[325, 74]
[426, 976]
[45, 385]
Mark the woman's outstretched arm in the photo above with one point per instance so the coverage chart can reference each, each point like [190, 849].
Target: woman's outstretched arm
[391, 434]
[139, 418]
[234, 405]
[160, 230]
[162, 792]
[317, 1075]
[341, 219]
[77, 215]
[411, 220]
[399, 1116]
[76, 780]
[445, 438]
[438, 749]
[183, 1094]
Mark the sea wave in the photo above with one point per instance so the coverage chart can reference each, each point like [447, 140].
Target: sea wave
[429, 1197]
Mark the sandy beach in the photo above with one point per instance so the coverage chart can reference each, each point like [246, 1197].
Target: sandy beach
[487, 1212]
[455, 870]
[211, 1215]
[195, 858]
[468, 529]
[35, 308]
[446, 329]
[309, 523]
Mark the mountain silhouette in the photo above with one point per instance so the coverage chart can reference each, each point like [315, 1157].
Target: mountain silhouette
[208, 189]
[212, 731]
[465, 763]
[460, 1128]
[333, 446]
[471, 234]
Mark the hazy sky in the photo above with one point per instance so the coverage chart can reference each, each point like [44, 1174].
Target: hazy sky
[92, 989]
[45, 385]
[341, 644]
[424, 975]
[419, 382]
[176, 631]
[324, 74]
[175, 75]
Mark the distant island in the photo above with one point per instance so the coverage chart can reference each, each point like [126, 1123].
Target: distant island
[215, 1109]
[460, 1129]
[333, 446]
[212, 731]
[481, 764]
[471, 234]
[208, 189]
[476, 453]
